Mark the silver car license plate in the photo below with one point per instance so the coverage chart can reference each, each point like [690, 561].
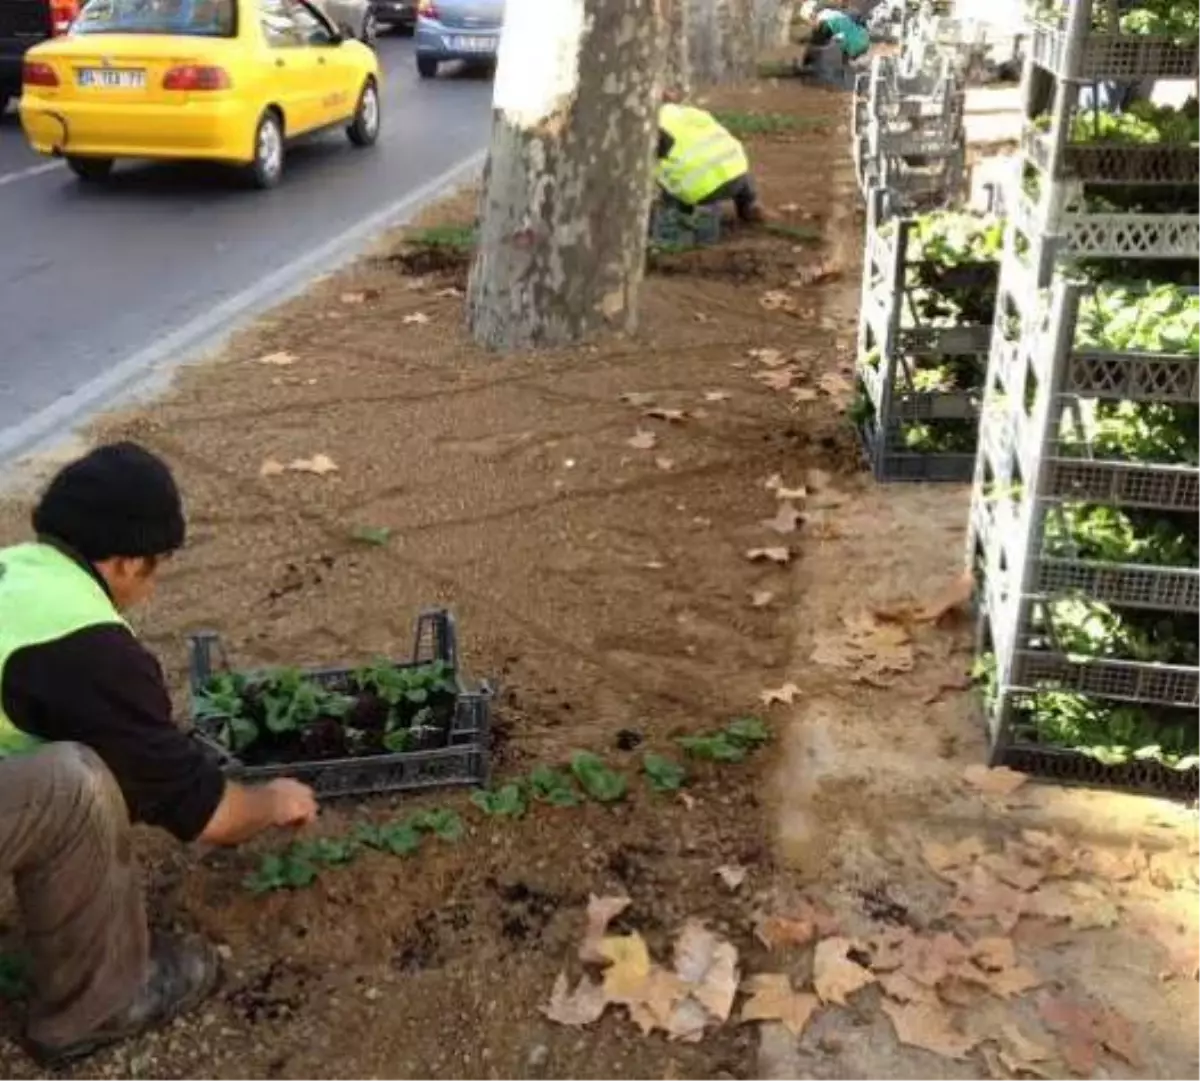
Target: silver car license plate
[113, 78]
[471, 44]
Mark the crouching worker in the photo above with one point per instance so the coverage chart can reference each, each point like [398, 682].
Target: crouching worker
[830, 24]
[701, 164]
[87, 745]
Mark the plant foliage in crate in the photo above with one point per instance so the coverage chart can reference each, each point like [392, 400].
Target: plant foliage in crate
[381, 727]
[1091, 594]
[673, 228]
[929, 287]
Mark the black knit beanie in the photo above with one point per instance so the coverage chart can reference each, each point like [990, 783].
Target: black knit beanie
[119, 500]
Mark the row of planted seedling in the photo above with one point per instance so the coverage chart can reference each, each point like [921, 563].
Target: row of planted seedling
[587, 777]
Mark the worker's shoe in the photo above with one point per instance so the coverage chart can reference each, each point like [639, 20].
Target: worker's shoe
[754, 215]
[183, 972]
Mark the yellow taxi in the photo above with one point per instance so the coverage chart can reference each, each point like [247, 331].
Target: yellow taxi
[218, 80]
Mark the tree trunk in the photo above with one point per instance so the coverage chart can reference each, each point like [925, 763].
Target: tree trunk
[721, 41]
[568, 182]
[677, 67]
[772, 23]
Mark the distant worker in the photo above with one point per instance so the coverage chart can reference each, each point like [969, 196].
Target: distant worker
[700, 163]
[832, 24]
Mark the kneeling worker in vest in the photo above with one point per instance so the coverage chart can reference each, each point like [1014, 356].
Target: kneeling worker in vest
[87, 745]
[700, 163]
[831, 24]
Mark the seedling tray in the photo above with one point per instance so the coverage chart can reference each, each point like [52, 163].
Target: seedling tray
[1072, 768]
[453, 753]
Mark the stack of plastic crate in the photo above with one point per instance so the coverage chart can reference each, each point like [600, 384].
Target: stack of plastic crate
[923, 334]
[1086, 490]
[907, 134]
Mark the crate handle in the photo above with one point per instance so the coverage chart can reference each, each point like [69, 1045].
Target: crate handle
[205, 647]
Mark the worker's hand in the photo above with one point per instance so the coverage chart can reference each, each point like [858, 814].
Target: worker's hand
[292, 803]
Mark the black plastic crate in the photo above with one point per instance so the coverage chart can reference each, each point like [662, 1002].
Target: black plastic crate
[457, 754]
[1072, 768]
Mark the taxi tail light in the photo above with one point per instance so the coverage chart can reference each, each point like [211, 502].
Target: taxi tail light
[427, 9]
[197, 77]
[37, 74]
[62, 14]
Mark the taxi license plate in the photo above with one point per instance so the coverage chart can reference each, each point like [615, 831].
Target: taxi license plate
[472, 44]
[114, 78]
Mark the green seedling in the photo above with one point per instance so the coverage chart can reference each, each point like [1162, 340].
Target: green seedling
[222, 701]
[398, 838]
[458, 237]
[442, 822]
[713, 748]
[748, 731]
[281, 871]
[664, 774]
[802, 234]
[602, 784]
[325, 850]
[371, 534]
[504, 802]
[554, 787]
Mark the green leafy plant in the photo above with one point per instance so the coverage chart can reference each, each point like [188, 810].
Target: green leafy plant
[552, 786]
[664, 774]
[457, 237]
[746, 123]
[371, 534]
[731, 744]
[292, 701]
[442, 822]
[399, 838]
[222, 699]
[602, 784]
[281, 871]
[508, 801]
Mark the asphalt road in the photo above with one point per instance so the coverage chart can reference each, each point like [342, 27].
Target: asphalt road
[92, 276]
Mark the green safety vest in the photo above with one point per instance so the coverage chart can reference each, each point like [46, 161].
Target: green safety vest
[703, 156]
[44, 596]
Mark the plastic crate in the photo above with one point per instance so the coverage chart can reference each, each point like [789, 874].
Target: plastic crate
[457, 755]
[673, 227]
[1113, 56]
[891, 463]
[1072, 768]
[1108, 164]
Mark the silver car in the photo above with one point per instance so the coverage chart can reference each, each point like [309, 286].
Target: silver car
[457, 30]
[354, 18]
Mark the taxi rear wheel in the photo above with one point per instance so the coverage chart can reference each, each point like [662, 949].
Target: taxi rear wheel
[364, 127]
[266, 168]
[93, 170]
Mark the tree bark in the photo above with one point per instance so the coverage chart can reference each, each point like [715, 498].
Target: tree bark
[772, 23]
[677, 66]
[568, 182]
[721, 41]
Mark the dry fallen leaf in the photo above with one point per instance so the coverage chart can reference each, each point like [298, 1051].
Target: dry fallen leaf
[416, 319]
[353, 298]
[785, 493]
[777, 932]
[929, 960]
[278, 360]
[708, 964]
[785, 520]
[789, 208]
[803, 394]
[318, 464]
[835, 384]
[825, 271]
[1084, 1028]
[732, 874]
[665, 464]
[579, 1007]
[776, 380]
[717, 395]
[772, 358]
[600, 912]
[271, 468]
[785, 694]
[1012, 871]
[761, 598]
[927, 1025]
[772, 555]
[642, 440]
[997, 781]
[777, 300]
[1081, 903]
[954, 596]
[629, 967]
[638, 398]
[835, 975]
[981, 896]
[675, 416]
[449, 291]
[772, 999]
[1114, 866]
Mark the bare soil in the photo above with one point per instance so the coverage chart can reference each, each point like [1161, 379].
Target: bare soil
[607, 591]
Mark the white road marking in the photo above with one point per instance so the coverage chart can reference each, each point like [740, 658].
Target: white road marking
[145, 369]
[32, 171]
